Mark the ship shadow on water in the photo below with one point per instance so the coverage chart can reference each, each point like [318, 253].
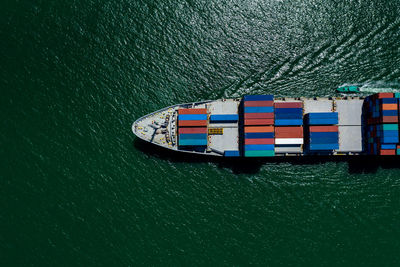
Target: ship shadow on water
[356, 164]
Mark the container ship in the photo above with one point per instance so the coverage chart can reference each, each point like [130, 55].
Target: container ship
[265, 126]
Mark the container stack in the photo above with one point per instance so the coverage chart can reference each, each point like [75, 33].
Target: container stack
[323, 131]
[288, 127]
[192, 127]
[382, 131]
[258, 126]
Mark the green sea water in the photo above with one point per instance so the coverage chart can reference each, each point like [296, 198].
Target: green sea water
[77, 188]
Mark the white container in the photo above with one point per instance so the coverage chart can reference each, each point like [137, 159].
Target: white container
[289, 141]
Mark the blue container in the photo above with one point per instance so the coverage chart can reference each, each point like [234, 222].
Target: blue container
[259, 147]
[324, 134]
[259, 135]
[224, 118]
[258, 97]
[389, 112]
[193, 136]
[327, 121]
[288, 122]
[324, 140]
[324, 146]
[259, 109]
[289, 110]
[192, 142]
[192, 117]
[389, 140]
[389, 100]
[293, 116]
[323, 115]
[231, 153]
[388, 133]
[388, 146]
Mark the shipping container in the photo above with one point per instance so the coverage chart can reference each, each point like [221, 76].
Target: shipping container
[192, 117]
[288, 149]
[389, 107]
[258, 147]
[269, 115]
[231, 118]
[324, 146]
[192, 111]
[259, 153]
[323, 115]
[259, 141]
[288, 116]
[388, 100]
[323, 121]
[390, 112]
[258, 109]
[231, 153]
[289, 141]
[258, 135]
[324, 134]
[193, 136]
[192, 142]
[258, 98]
[387, 152]
[259, 129]
[384, 95]
[192, 123]
[389, 119]
[288, 110]
[324, 140]
[190, 130]
[289, 129]
[386, 127]
[258, 121]
[333, 128]
[288, 104]
[288, 122]
[388, 146]
[258, 103]
[289, 135]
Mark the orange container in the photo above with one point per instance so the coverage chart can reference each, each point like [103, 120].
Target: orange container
[192, 111]
[389, 106]
[192, 123]
[259, 129]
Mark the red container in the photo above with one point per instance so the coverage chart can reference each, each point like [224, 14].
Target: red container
[389, 119]
[259, 141]
[258, 121]
[384, 95]
[398, 146]
[288, 104]
[192, 111]
[259, 129]
[190, 130]
[269, 115]
[192, 123]
[387, 152]
[332, 128]
[289, 132]
[258, 103]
